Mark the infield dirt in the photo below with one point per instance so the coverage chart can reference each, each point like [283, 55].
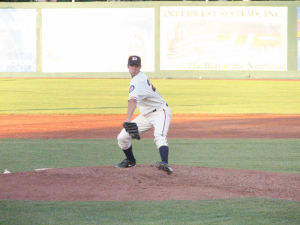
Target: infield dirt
[182, 126]
[146, 183]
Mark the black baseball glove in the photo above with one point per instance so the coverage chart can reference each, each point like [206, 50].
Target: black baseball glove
[132, 129]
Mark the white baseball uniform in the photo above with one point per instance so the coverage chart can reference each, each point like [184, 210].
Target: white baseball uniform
[154, 112]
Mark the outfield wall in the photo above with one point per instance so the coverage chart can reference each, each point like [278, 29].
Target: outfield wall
[243, 40]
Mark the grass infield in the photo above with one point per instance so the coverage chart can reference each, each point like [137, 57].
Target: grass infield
[109, 96]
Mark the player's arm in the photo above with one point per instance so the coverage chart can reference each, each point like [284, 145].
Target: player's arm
[131, 109]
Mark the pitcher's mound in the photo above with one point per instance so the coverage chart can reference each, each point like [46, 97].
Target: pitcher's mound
[146, 182]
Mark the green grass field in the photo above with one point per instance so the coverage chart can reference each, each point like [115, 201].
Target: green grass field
[247, 211]
[275, 155]
[109, 96]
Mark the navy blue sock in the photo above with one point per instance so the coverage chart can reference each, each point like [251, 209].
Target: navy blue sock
[164, 153]
[129, 154]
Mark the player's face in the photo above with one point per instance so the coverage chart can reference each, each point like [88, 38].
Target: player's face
[134, 70]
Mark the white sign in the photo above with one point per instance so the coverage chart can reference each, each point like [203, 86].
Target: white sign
[17, 40]
[223, 38]
[97, 40]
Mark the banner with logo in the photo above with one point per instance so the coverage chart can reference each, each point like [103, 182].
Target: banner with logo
[223, 38]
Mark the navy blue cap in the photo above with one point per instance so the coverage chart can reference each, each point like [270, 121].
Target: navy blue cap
[134, 60]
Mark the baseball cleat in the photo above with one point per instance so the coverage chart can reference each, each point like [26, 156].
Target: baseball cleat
[126, 163]
[165, 167]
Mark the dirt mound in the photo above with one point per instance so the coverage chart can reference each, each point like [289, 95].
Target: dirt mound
[145, 182]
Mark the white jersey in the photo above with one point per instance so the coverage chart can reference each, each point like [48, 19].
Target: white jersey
[148, 99]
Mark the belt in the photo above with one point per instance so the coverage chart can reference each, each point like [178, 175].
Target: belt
[156, 110]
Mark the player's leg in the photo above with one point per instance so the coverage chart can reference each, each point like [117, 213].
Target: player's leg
[124, 141]
[143, 124]
[161, 123]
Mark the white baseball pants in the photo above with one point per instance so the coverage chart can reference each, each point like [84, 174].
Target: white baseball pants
[159, 120]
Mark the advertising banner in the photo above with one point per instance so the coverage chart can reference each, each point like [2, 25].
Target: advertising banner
[298, 36]
[17, 40]
[223, 38]
[97, 39]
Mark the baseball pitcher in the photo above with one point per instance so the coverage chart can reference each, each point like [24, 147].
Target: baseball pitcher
[154, 113]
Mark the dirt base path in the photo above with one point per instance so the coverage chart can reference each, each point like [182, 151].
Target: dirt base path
[145, 182]
[182, 126]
